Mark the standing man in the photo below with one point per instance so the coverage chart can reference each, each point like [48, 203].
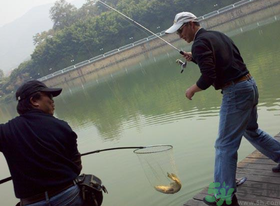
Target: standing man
[41, 150]
[222, 66]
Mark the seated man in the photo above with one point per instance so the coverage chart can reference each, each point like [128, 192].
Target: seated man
[41, 150]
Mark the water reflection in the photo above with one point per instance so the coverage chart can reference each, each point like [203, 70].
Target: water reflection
[154, 93]
[145, 104]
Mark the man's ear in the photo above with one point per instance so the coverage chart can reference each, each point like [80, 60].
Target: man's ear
[34, 102]
[192, 24]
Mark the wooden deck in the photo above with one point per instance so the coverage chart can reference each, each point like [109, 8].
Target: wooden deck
[261, 188]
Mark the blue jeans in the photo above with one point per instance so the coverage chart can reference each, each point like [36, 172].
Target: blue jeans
[69, 197]
[238, 117]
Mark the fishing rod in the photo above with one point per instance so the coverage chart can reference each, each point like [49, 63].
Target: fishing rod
[108, 149]
[183, 64]
[135, 22]
[87, 153]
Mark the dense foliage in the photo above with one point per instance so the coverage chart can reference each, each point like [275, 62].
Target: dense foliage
[79, 34]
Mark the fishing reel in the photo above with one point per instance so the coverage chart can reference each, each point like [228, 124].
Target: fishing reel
[183, 64]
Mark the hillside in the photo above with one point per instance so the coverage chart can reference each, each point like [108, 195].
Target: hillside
[16, 38]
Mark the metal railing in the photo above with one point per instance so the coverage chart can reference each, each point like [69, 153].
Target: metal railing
[141, 41]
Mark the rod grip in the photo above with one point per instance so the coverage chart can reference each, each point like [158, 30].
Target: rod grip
[181, 52]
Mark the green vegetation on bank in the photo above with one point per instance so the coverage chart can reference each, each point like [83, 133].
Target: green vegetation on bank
[79, 34]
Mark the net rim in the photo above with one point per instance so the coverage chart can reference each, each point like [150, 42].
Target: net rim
[167, 147]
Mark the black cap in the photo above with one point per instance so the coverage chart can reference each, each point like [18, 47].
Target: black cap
[31, 87]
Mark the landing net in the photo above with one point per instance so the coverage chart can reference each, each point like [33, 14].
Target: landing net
[160, 169]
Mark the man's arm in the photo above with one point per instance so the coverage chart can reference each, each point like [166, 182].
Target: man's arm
[204, 56]
[75, 155]
[77, 161]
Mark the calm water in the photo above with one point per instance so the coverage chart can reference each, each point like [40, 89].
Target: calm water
[146, 105]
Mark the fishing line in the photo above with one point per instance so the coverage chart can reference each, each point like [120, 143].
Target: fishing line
[138, 24]
[183, 64]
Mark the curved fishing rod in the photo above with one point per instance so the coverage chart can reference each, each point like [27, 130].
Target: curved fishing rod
[84, 154]
[108, 149]
[135, 22]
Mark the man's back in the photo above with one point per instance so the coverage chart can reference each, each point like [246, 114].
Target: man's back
[218, 58]
[40, 151]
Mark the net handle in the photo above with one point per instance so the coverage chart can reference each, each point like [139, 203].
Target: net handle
[96, 151]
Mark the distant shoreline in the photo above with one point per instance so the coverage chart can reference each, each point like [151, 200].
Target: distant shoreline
[225, 19]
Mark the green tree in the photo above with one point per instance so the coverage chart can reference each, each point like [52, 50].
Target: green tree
[39, 38]
[62, 14]
[82, 33]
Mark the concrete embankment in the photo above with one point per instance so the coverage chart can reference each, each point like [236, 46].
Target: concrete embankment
[226, 19]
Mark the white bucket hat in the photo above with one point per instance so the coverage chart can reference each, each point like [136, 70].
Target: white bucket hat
[180, 19]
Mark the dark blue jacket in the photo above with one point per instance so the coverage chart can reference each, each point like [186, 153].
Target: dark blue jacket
[41, 152]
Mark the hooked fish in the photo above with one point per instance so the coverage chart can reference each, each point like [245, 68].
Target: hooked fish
[172, 188]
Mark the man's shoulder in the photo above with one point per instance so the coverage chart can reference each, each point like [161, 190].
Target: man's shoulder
[205, 34]
[207, 37]
[15, 119]
[202, 38]
[9, 125]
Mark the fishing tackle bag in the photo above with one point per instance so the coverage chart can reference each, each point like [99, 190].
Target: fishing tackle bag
[91, 189]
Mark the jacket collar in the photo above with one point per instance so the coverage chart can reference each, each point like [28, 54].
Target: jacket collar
[200, 31]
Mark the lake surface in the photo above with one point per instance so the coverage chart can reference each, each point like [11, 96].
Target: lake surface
[146, 105]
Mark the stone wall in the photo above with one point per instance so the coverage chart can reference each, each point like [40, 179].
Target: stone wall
[238, 17]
